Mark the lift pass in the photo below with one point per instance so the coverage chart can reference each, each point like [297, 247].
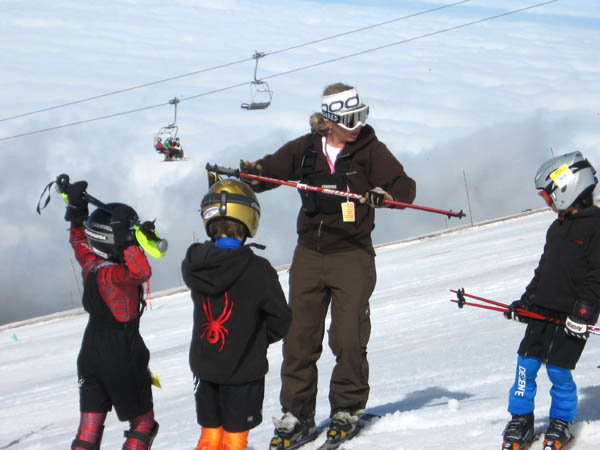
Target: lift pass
[348, 211]
[562, 176]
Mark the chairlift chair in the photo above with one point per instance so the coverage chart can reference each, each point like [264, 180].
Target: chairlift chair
[260, 93]
[169, 131]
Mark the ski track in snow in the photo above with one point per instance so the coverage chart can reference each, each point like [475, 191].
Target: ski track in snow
[439, 374]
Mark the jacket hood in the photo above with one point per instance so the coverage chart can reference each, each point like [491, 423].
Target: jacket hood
[212, 270]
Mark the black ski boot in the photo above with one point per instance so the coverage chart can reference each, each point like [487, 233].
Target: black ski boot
[291, 433]
[344, 426]
[558, 435]
[518, 434]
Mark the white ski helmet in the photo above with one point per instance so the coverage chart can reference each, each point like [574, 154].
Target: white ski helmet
[565, 178]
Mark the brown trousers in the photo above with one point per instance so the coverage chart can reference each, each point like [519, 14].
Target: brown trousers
[346, 281]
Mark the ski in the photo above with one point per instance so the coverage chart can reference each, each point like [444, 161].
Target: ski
[333, 443]
[279, 443]
[175, 159]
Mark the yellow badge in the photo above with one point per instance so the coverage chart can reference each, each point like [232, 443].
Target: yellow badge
[348, 211]
[562, 176]
[155, 379]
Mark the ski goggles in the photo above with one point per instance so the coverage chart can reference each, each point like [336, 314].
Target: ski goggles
[546, 196]
[350, 120]
[346, 109]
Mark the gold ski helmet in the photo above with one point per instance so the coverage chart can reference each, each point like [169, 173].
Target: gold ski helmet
[231, 199]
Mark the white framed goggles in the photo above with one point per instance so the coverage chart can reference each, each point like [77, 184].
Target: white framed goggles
[349, 120]
[346, 109]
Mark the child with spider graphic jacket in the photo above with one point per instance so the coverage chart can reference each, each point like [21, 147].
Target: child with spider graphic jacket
[239, 309]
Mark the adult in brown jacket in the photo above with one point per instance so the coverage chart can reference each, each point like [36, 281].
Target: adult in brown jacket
[333, 262]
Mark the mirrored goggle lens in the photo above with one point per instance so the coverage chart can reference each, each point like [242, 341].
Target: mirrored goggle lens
[542, 193]
[353, 119]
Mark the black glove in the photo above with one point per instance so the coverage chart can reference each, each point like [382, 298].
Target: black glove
[253, 169]
[121, 222]
[376, 198]
[524, 303]
[149, 230]
[77, 208]
[584, 314]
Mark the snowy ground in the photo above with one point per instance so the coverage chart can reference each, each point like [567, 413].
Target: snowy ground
[439, 375]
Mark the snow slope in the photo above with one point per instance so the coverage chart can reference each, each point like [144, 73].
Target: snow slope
[439, 375]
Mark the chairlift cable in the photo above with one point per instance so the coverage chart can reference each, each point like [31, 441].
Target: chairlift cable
[433, 33]
[221, 66]
[368, 27]
[120, 91]
[286, 72]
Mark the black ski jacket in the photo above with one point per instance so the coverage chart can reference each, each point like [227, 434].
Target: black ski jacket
[569, 268]
[239, 309]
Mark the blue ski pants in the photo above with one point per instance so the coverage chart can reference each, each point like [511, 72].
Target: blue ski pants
[563, 392]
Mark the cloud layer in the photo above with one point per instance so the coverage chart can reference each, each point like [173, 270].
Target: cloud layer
[488, 103]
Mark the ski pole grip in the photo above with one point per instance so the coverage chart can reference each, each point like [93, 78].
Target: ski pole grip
[223, 170]
[62, 183]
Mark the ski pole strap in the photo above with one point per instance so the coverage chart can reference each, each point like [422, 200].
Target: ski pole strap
[62, 183]
[47, 188]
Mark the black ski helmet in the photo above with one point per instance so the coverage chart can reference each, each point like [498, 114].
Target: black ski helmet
[99, 233]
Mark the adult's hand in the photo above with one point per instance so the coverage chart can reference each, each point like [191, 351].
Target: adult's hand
[376, 197]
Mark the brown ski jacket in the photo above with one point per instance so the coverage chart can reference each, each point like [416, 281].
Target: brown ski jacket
[371, 165]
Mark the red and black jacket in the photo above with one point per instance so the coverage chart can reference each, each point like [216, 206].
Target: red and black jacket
[119, 284]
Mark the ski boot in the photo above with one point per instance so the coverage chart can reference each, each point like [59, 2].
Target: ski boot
[344, 426]
[558, 435]
[518, 434]
[291, 433]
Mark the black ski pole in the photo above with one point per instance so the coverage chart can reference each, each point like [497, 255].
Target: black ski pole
[147, 228]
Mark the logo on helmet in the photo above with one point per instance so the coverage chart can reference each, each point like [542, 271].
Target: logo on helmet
[210, 212]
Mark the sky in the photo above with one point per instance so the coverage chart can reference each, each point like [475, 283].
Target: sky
[471, 112]
[439, 375]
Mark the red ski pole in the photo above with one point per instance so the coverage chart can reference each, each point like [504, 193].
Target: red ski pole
[503, 307]
[307, 187]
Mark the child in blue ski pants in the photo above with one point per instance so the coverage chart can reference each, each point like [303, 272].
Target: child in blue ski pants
[563, 391]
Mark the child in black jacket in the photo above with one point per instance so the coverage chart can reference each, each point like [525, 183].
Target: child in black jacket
[565, 288]
[239, 309]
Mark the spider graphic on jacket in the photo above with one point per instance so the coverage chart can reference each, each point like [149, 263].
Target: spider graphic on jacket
[214, 329]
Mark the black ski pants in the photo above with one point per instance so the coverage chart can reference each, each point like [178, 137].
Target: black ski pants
[345, 281]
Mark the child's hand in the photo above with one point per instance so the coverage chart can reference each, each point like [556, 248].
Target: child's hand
[576, 329]
[584, 314]
[77, 208]
[121, 222]
[524, 303]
